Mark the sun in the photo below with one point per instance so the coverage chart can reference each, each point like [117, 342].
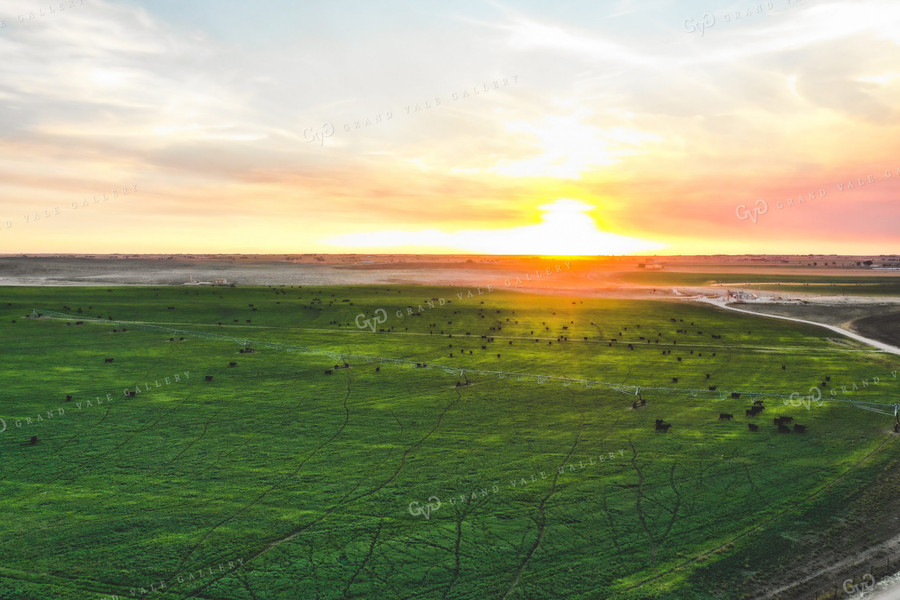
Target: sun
[566, 229]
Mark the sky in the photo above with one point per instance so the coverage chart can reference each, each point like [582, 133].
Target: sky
[527, 127]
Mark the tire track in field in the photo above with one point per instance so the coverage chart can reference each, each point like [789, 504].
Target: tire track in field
[542, 528]
[365, 560]
[759, 526]
[341, 503]
[272, 488]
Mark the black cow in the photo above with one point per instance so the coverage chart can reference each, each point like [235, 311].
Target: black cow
[799, 428]
[209, 377]
[107, 360]
[783, 428]
[328, 371]
[232, 364]
[752, 426]
[725, 417]
[33, 440]
[735, 395]
[664, 427]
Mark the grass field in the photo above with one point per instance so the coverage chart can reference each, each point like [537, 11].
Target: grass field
[278, 481]
[810, 284]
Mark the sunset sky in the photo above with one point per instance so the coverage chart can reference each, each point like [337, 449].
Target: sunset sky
[525, 127]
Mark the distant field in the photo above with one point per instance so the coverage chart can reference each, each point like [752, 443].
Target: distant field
[811, 284]
[307, 479]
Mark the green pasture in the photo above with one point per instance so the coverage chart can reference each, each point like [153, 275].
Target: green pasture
[545, 490]
[786, 283]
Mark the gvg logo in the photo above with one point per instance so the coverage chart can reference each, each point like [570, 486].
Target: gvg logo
[798, 400]
[416, 509]
[744, 213]
[373, 321]
[705, 22]
[863, 586]
[311, 135]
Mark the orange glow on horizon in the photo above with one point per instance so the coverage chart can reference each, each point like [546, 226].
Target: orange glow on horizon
[566, 230]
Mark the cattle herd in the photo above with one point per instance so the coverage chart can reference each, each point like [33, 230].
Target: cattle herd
[781, 423]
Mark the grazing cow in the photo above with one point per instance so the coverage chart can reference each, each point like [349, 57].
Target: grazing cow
[735, 395]
[209, 378]
[786, 419]
[752, 426]
[643, 402]
[712, 388]
[783, 428]
[658, 421]
[33, 440]
[707, 375]
[232, 364]
[827, 378]
[664, 427]
[107, 360]
[750, 412]
[68, 397]
[674, 380]
[725, 417]
[327, 372]
[799, 428]
[378, 369]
